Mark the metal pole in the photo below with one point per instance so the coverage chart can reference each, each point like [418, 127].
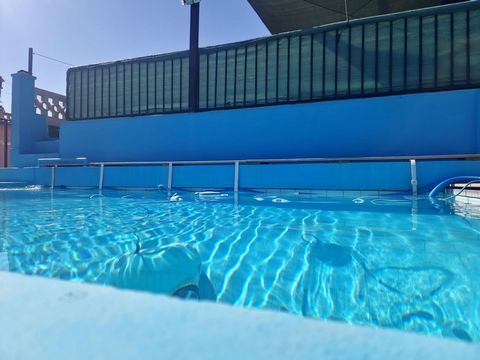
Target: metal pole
[414, 181]
[194, 57]
[30, 61]
[102, 174]
[346, 11]
[5, 143]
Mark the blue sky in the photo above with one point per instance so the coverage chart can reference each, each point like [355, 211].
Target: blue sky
[91, 31]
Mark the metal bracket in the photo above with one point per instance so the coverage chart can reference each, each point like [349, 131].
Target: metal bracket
[237, 176]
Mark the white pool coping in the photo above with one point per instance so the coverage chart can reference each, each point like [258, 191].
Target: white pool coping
[51, 319]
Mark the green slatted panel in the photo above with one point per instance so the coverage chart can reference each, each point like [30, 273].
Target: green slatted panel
[168, 86]
[282, 69]
[383, 81]
[474, 47]
[398, 55]
[317, 73]
[185, 83]
[240, 76]
[105, 87]
[135, 88]
[202, 82]
[261, 72]
[413, 53]
[120, 89]
[143, 86]
[251, 76]
[78, 94]
[176, 81]
[272, 69]
[305, 67]
[98, 92]
[91, 93]
[151, 87]
[128, 89]
[212, 78]
[460, 48]
[356, 60]
[369, 59]
[330, 48]
[159, 86]
[342, 63]
[220, 83]
[230, 96]
[113, 90]
[294, 69]
[444, 43]
[70, 93]
[84, 99]
[428, 52]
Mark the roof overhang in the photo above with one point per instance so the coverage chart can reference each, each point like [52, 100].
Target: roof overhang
[288, 15]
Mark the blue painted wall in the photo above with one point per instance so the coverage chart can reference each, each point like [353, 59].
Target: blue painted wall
[417, 124]
[30, 139]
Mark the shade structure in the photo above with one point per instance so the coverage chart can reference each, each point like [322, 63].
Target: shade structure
[287, 15]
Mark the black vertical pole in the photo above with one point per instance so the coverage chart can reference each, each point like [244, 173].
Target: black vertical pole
[194, 57]
[5, 143]
[30, 61]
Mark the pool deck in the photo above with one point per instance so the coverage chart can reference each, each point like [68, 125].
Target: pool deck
[52, 319]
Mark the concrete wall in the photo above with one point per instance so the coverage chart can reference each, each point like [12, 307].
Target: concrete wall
[417, 124]
[29, 140]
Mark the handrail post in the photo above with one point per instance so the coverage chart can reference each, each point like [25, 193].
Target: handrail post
[52, 180]
[100, 181]
[237, 176]
[413, 171]
[170, 176]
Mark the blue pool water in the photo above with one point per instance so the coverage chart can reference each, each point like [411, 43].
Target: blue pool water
[388, 261]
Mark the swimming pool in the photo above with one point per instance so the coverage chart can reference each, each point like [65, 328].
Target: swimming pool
[388, 261]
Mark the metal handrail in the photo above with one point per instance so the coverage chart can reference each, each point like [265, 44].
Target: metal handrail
[291, 160]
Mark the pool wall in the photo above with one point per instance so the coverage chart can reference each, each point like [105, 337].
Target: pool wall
[388, 175]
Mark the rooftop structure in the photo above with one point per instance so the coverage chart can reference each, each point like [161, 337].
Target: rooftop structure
[392, 54]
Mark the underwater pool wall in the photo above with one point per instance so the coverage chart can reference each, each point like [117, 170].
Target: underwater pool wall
[386, 175]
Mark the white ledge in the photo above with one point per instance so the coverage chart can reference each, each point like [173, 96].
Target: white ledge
[51, 319]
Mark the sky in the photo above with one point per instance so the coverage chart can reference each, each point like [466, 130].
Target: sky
[92, 31]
